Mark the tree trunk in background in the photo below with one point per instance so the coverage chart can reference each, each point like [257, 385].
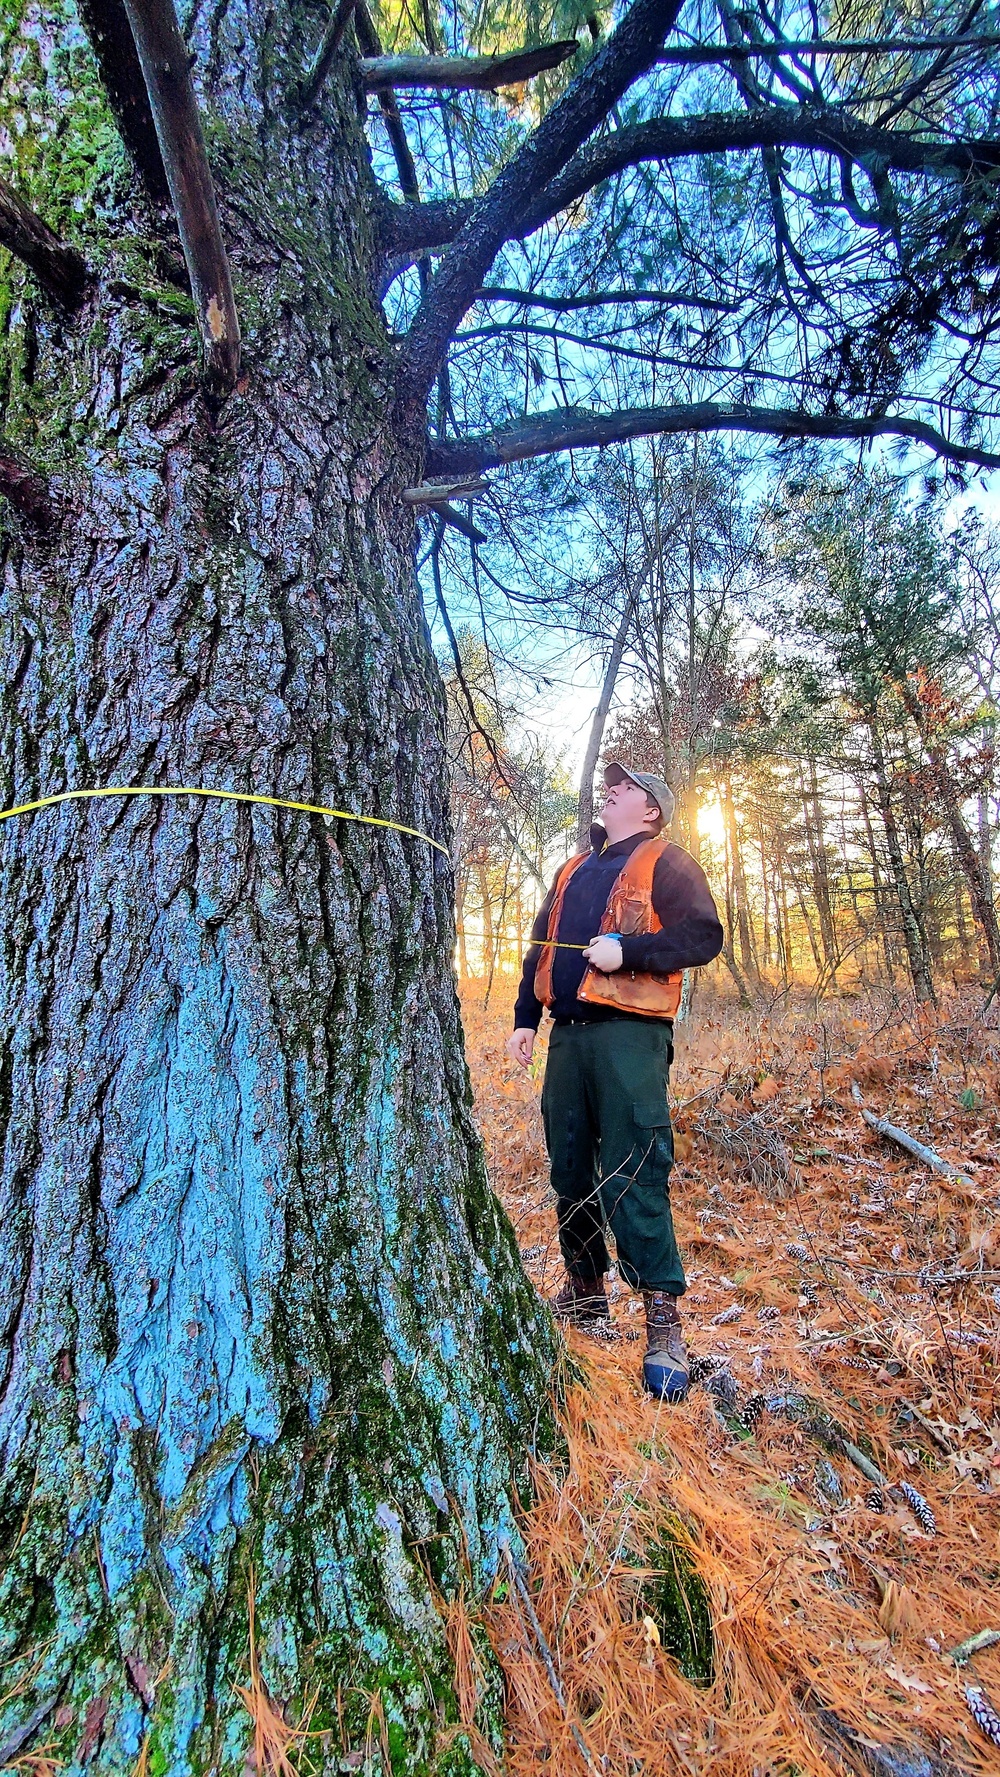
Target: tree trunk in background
[818, 857]
[914, 934]
[261, 1313]
[741, 898]
[585, 817]
[879, 896]
[461, 890]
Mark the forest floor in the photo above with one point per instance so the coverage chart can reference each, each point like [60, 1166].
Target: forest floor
[831, 1277]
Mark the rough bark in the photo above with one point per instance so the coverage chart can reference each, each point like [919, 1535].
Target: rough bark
[107, 27]
[27, 491]
[262, 1323]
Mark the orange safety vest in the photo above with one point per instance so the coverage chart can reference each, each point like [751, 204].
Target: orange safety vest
[630, 910]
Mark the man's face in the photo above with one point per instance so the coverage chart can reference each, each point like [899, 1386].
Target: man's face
[626, 810]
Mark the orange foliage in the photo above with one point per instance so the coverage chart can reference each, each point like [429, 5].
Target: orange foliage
[860, 1280]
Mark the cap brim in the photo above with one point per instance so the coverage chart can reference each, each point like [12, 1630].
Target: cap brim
[619, 774]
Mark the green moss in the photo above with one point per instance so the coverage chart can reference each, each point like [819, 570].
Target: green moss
[677, 1600]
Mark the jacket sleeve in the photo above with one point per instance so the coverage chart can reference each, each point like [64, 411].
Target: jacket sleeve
[692, 933]
[528, 1010]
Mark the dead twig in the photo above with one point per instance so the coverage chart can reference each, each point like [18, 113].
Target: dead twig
[547, 1658]
[976, 1644]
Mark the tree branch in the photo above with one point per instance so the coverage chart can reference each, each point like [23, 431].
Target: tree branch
[676, 138]
[107, 27]
[708, 55]
[319, 67]
[27, 491]
[562, 305]
[407, 230]
[574, 428]
[59, 268]
[463, 73]
[163, 58]
[368, 42]
[607, 76]
[782, 126]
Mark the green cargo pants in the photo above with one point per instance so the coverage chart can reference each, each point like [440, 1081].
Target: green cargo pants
[611, 1148]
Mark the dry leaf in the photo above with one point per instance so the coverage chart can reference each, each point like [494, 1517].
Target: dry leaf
[898, 1612]
[908, 1681]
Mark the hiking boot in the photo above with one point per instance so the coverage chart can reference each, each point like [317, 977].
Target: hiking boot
[580, 1300]
[665, 1367]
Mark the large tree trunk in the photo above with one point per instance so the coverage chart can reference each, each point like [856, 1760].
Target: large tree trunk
[264, 1324]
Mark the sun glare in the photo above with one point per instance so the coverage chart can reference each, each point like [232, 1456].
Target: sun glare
[712, 822]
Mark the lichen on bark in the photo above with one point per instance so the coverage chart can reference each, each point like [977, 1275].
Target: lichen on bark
[263, 1325]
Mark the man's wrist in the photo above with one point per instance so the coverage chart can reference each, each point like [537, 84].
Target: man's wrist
[633, 950]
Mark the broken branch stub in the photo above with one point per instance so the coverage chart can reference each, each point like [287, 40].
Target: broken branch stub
[463, 73]
[431, 493]
[59, 268]
[163, 58]
[27, 491]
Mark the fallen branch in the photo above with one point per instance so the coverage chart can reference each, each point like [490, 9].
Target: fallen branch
[879, 1759]
[59, 268]
[815, 1420]
[976, 1644]
[926, 1155]
[930, 1428]
[463, 73]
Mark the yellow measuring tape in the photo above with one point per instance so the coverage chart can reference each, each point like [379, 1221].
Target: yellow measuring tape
[340, 814]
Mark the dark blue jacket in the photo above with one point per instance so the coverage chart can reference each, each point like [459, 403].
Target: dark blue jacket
[683, 901]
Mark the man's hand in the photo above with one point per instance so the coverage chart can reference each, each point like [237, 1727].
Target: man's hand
[604, 954]
[521, 1044]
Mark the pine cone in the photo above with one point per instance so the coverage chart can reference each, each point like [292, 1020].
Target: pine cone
[919, 1507]
[728, 1315]
[704, 1366]
[723, 1387]
[796, 1251]
[875, 1500]
[983, 1712]
[768, 1312]
[754, 1410]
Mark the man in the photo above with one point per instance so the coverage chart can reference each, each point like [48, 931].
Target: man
[613, 999]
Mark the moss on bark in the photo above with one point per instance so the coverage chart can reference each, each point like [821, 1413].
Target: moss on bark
[262, 1322]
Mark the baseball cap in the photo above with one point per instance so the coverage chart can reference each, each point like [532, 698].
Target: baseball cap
[654, 786]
